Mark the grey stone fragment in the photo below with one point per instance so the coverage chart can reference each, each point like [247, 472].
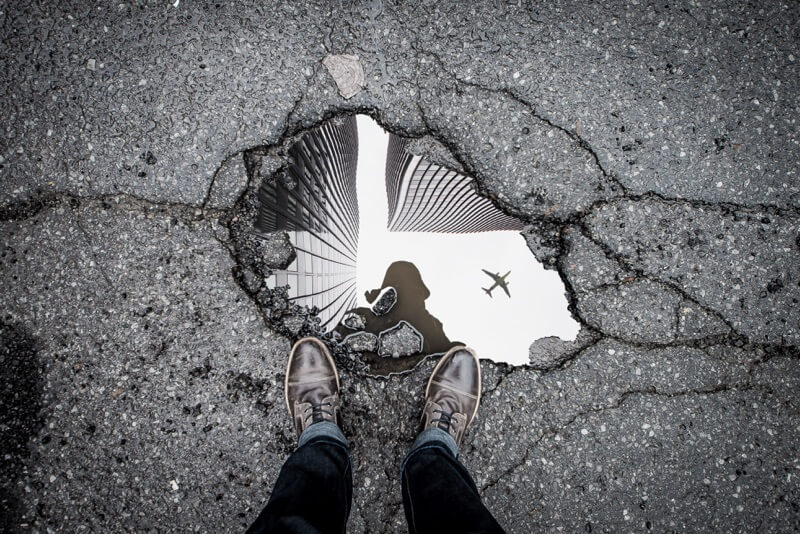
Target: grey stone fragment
[276, 250]
[229, 183]
[386, 301]
[400, 340]
[348, 73]
[362, 342]
[744, 265]
[354, 321]
[638, 311]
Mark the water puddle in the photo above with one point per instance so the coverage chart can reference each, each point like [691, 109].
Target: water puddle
[402, 257]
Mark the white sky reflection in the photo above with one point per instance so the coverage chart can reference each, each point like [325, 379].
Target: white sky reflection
[499, 328]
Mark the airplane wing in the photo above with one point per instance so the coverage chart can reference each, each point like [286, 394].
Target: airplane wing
[492, 275]
[503, 283]
[505, 288]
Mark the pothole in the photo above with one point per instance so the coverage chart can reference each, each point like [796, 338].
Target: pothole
[399, 256]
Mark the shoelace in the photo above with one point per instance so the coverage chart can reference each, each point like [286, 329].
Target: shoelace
[317, 411]
[445, 417]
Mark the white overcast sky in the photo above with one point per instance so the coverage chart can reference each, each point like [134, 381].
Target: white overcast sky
[499, 327]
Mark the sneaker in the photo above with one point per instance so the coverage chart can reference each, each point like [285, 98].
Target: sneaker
[453, 393]
[312, 384]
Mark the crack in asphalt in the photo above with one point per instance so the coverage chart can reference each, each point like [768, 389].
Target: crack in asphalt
[90, 242]
[640, 274]
[769, 353]
[616, 404]
[507, 370]
[373, 12]
[296, 104]
[573, 135]
[213, 181]
[240, 284]
[585, 145]
[26, 209]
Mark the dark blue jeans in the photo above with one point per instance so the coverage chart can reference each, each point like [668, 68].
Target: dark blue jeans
[315, 487]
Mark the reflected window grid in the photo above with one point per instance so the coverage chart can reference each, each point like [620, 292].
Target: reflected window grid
[321, 210]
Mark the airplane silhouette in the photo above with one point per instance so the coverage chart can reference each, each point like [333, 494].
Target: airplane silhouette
[498, 281]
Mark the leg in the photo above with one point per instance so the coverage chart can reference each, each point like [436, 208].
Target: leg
[315, 486]
[439, 495]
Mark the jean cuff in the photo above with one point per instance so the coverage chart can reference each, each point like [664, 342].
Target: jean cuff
[434, 436]
[322, 429]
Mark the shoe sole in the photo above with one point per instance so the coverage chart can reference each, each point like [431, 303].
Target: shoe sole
[480, 385]
[327, 354]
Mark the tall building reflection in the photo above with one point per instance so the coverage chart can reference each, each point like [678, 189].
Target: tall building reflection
[425, 197]
[314, 201]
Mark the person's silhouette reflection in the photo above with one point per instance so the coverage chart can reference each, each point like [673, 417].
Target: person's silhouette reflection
[410, 307]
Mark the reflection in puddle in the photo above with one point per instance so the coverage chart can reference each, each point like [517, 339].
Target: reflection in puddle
[314, 201]
[425, 197]
[417, 225]
[400, 329]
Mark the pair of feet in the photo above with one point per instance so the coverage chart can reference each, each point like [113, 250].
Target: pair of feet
[451, 397]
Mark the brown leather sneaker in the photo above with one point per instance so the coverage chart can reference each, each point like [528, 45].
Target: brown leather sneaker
[453, 393]
[312, 384]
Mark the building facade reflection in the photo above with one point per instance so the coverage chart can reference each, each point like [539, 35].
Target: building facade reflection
[425, 197]
[314, 201]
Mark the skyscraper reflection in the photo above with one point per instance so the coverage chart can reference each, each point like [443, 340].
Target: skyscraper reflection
[314, 201]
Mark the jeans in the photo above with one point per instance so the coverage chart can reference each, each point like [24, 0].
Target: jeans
[315, 487]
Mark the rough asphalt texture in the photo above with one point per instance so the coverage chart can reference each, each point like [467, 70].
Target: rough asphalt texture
[652, 147]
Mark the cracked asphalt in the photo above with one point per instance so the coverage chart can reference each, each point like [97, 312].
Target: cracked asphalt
[652, 148]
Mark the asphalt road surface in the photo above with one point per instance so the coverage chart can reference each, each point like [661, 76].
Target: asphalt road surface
[652, 148]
